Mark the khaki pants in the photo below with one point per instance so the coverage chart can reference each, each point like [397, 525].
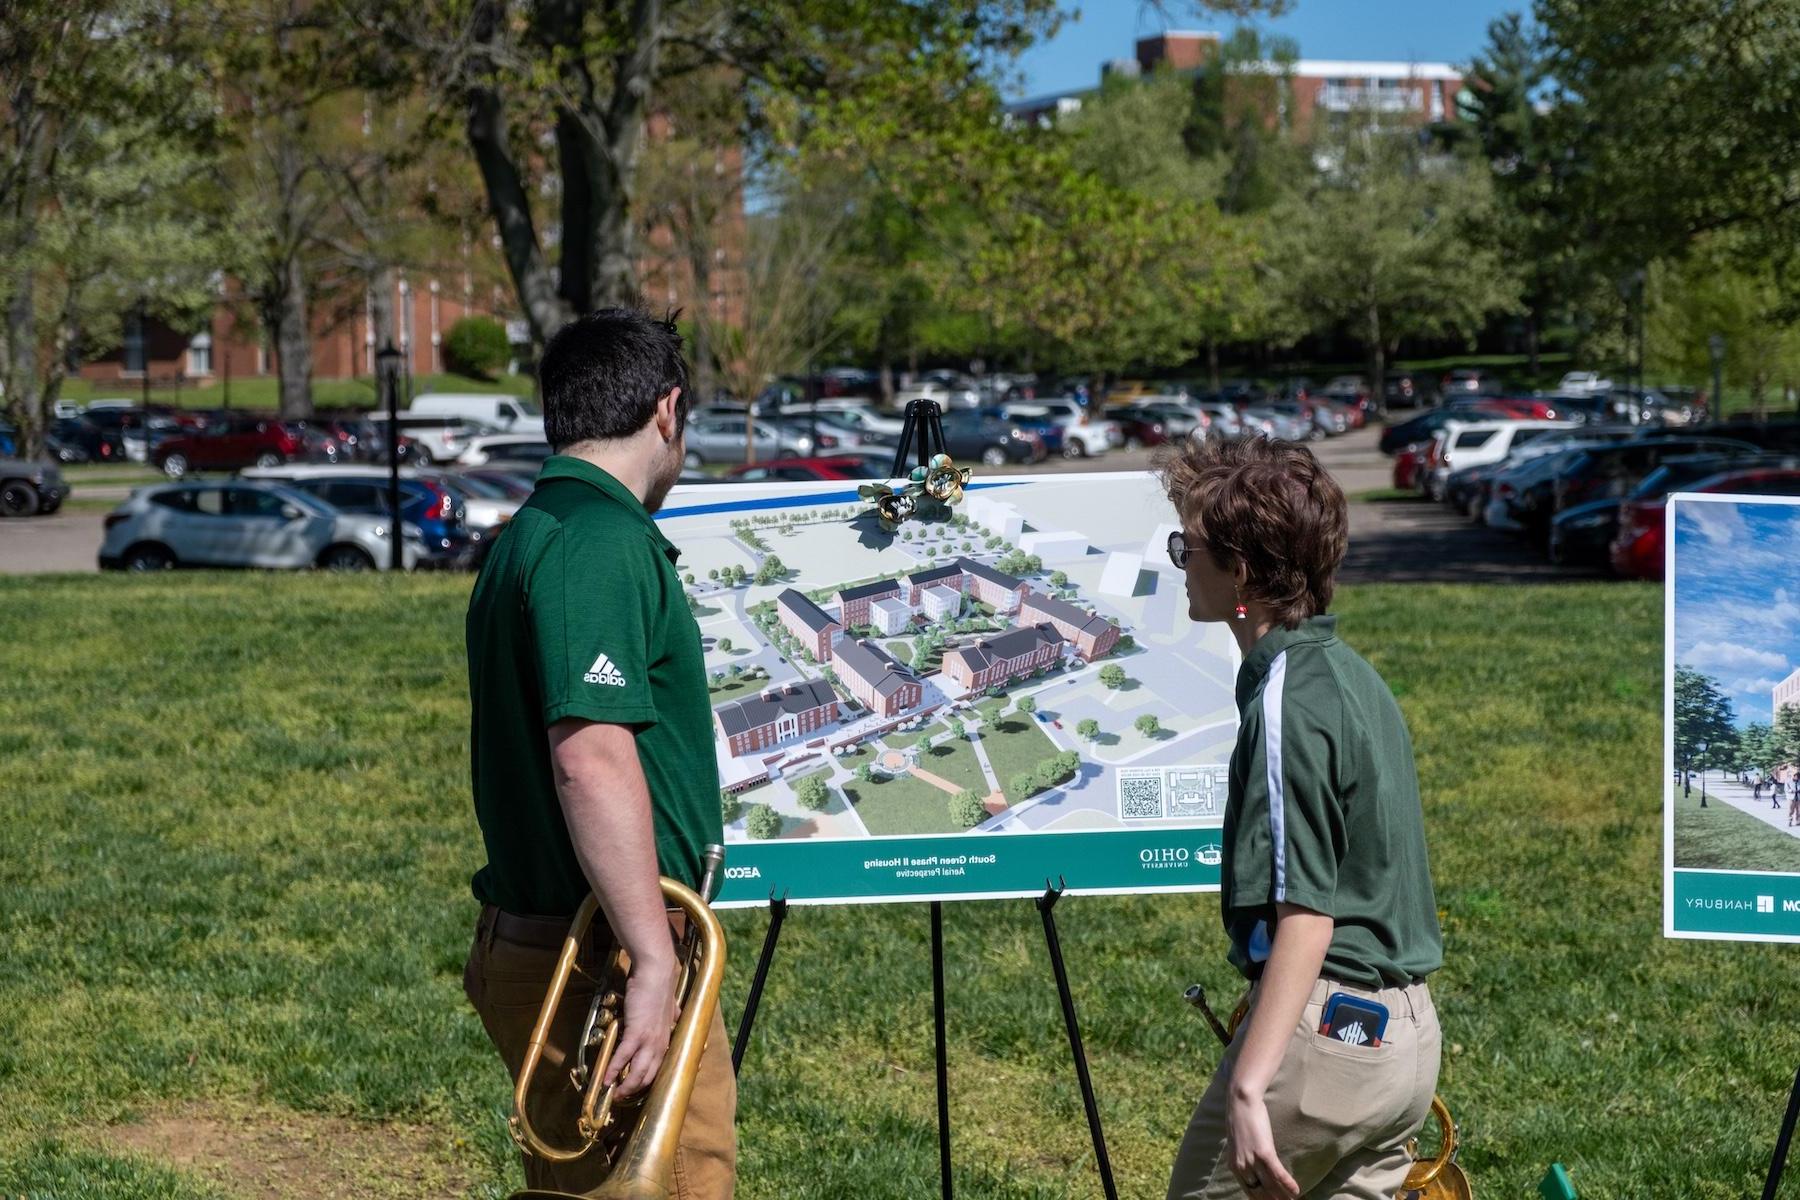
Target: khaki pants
[1341, 1115]
[506, 980]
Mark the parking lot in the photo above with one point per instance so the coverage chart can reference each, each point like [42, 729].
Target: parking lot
[1389, 540]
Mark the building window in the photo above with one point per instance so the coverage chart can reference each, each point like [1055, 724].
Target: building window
[134, 344]
[199, 355]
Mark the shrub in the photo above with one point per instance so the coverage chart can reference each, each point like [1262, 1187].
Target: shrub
[477, 346]
[1026, 705]
[730, 807]
[1147, 724]
[1112, 675]
[967, 810]
[1088, 728]
[812, 793]
[762, 822]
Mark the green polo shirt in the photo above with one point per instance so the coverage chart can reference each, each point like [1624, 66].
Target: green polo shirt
[578, 612]
[1324, 813]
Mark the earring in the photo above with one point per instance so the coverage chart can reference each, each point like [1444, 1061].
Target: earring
[1240, 612]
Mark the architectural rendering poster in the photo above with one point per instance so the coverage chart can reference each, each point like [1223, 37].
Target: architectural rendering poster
[957, 709]
[1732, 719]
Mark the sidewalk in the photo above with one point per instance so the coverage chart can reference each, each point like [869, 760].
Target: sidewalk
[1738, 796]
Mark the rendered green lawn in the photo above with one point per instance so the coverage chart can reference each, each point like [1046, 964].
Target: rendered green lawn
[236, 859]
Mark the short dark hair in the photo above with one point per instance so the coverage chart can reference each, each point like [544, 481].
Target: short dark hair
[602, 374]
[1271, 506]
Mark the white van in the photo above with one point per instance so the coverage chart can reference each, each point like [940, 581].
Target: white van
[509, 414]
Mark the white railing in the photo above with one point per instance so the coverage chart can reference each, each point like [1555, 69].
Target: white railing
[1341, 97]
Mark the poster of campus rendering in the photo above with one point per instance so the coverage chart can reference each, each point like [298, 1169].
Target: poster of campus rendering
[965, 708]
[1732, 720]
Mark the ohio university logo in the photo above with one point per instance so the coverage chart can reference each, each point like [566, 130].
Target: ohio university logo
[603, 672]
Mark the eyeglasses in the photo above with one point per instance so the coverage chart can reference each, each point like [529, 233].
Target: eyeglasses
[1179, 549]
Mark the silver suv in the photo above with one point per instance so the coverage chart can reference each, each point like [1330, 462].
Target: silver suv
[245, 524]
[30, 488]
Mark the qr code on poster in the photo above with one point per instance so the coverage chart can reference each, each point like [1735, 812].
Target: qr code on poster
[1141, 794]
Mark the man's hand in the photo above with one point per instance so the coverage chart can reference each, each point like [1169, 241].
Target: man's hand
[649, 1019]
[1251, 1144]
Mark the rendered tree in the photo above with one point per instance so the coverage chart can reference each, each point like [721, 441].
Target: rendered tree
[762, 822]
[1026, 705]
[1088, 728]
[724, 644]
[1022, 784]
[1702, 723]
[865, 773]
[1113, 676]
[957, 729]
[812, 793]
[1147, 725]
[730, 807]
[967, 810]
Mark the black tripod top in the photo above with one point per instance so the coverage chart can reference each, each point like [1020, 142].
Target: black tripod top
[923, 432]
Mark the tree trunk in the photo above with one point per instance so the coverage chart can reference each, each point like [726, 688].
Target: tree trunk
[510, 204]
[1377, 361]
[293, 342]
[382, 327]
[24, 400]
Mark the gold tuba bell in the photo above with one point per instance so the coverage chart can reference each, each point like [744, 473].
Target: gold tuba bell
[638, 1136]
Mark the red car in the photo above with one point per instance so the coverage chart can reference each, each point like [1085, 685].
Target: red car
[1638, 548]
[1407, 462]
[848, 467]
[229, 442]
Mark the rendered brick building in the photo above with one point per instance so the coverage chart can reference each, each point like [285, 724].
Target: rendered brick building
[815, 627]
[853, 603]
[1092, 636]
[778, 715]
[876, 678]
[1005, 657]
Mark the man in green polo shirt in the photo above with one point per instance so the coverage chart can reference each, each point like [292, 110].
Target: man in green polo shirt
[591, 738]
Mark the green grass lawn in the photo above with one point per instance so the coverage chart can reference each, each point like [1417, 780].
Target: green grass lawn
[235, 878]
[902, 805]
[1728, 838]
[731, 689]
[954, 759]
[1015, 743]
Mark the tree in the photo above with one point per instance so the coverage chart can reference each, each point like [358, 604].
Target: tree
[957, 729]
[1703, 722]
[688, 579]
[762, 822]
[477, 346]
[1022, 784]
[865, 773]
[1716, 288]
[771, 570]
[1026, 705]
[724, 645]
[713, 574]
[1125, 642]
[1147, 725]
[1389, 242]
[1113, 676]
[1088, 728]
[812, 793]
[730, 807]
[1786, 735]
[967, 810]
[1059, 579]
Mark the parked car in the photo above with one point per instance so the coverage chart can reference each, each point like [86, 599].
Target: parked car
[1407, 389]
[1271, 423]
[245, 524]
[30, 489]
[833, 432]
[947, 395]
[1424, 427]
[1409, 460]
[228, 443]
[715, 437]
[1085, 433]
[436, 510]
[437, 437]
[511, 447]
[1583, 383]
[76, 440]
[1462, 444]
[514, 482]
[1178, 420]
[1584, 534]
[972, 435]
[1469, 381]
[1638, 549]
[1139, 427]
[1042, 428]
[509, 414]
[808, 470]
[855, 416]
[1471, 490]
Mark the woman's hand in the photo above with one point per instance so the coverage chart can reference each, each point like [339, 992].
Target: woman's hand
[1251, 1145]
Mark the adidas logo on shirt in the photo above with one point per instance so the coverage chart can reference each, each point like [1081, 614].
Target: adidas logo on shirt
[604, 672]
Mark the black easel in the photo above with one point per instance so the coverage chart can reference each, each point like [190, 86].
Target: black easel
[1045, 904]
[922, 431]
[1779, 1164]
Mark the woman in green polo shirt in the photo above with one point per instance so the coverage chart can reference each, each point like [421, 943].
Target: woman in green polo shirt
[1326, 889]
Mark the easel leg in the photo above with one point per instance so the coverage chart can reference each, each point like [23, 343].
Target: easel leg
[943, 1072]
[1781, 1142]
[777, 914]
[1046, 904]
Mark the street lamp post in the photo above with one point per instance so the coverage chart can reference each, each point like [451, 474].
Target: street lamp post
[1715, 346]
[387, 368]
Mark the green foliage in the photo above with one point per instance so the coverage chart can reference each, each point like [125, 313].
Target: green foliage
[1021, 785]
[957, 729]
[724, 644]
[730, 807]
[1703, 719]
[812, 793]
[477, 346]
[1112, 675]
[865, 773]
[1147, 725]
[1059, 579]
[762, 822]
[1088, 728]
[1026, 705]
[967, 810]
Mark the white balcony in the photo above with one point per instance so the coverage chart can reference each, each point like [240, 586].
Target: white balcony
[1357, 97]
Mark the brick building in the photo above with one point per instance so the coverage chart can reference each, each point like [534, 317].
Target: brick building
[948, 575]
[1786, 693]
[876, 678]
[1416, 93]
[815, 627]
[992, 587]
[1091, 635]
[777, 715]
[853, 603]
[1004, 657]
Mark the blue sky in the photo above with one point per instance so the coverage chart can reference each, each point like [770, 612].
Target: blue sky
[1403, 30]
[1737, 597]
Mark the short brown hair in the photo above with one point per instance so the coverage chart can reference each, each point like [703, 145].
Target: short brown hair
[1270, 506]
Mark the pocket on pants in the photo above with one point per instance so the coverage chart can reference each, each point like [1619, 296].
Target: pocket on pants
[1349, 1088]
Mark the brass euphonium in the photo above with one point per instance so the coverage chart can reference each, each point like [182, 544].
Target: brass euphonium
[1435, 1178]
[638, 1136]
